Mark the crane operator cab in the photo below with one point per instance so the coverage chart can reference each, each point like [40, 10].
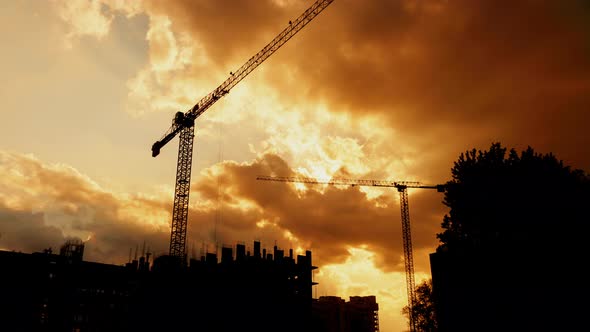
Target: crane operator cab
[178, 119]
[181, 120]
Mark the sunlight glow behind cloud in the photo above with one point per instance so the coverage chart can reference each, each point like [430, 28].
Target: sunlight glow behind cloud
[359, 276]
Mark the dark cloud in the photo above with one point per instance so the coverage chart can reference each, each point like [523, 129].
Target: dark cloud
[228, 30]
[53, 202]
[24, 230]
[460, 74]
[448, 75]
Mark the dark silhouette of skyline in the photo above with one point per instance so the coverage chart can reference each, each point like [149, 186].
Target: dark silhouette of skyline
[262, 290]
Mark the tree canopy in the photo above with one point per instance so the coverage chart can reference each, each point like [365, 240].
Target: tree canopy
[513, 249]
[423, 310]
[503, 199]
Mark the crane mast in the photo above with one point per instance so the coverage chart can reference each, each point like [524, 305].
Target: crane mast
[402, 188]
[183, 125]
[408, 252]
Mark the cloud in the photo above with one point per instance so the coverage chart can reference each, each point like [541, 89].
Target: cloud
[373, 89]
[26, 231]
[42, 204]
[84, 18]
[246, 26]
[327, 220]
[228, 205]
[446, 76]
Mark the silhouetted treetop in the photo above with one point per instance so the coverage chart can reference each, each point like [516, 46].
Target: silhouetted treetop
[501, 199]
[423, 309]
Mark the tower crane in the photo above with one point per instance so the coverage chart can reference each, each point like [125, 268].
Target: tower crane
[402, 188]
[183, 125]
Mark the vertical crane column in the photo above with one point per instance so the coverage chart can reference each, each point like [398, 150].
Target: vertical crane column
[408, 251]
[181, 193]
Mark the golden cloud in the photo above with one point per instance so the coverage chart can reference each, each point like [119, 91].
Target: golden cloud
[229, 205]
[44, 203]
[442, 73]
[84, 18]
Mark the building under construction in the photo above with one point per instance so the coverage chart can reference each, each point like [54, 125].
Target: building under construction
[256, 290]
[44, 291]
[334, 314]
[243, 290]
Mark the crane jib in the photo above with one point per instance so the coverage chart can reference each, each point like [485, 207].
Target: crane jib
[235, 77]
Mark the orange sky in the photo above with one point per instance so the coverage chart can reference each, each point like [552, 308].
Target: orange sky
[369, 89]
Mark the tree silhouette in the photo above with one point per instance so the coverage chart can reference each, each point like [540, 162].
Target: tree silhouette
[514, 240]
[500, 199]
[423, 309]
